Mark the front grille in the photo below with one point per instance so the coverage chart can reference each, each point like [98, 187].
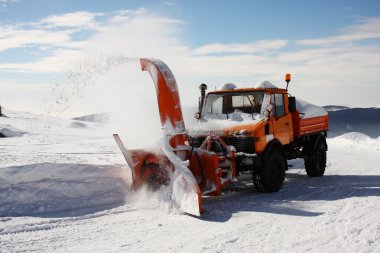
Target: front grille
[245, 144]
[241, 144]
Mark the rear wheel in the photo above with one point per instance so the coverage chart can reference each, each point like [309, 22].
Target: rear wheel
[315, 159]
[270, 177]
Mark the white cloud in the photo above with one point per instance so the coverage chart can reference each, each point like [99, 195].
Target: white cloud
[55, 30]
[367, 29]
[125, 15]
[56, 63]
[82, 19]
[328, 66]
[259, 46]
[14, 37]
[4, 3]
[54, 34]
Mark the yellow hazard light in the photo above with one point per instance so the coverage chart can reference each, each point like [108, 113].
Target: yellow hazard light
[288, 77]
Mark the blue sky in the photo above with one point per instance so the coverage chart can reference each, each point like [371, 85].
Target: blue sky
[208, 21]
[326, 44]
[223, 21]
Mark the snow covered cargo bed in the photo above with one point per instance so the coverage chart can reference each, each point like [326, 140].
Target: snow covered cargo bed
[305, 126]
[308, 119]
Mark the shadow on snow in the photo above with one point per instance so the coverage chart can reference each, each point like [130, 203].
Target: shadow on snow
[297, 188]
[70, 190]
[60, 189]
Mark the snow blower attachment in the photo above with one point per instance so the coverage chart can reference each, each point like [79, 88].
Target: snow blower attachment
[189, 172]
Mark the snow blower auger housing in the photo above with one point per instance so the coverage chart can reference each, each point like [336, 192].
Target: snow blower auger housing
[257, 130]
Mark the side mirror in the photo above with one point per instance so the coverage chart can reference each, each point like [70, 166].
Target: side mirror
[197, 115]
[292, 104]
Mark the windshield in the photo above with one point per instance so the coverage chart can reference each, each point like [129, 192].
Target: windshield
[222, 105]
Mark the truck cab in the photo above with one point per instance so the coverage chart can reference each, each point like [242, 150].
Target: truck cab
[253, 115]
[257, 122]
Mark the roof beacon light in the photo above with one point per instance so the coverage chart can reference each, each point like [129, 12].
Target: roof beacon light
[288, 77]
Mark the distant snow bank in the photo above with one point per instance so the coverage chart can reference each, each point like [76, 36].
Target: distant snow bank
[98, 117]
[363, 120]
[356, 137]
[334, 108]
[9, 131]
[355, 140]
[57, 187]
[77, 124]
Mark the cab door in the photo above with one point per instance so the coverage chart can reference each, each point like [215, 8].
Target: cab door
[282, 119]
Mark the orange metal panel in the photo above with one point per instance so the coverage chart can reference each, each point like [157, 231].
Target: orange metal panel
[311, 125]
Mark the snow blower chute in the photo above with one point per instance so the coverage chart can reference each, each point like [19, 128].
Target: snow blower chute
[189, 172]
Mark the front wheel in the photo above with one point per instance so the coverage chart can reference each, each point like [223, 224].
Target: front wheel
[315, 160]
[270, 177]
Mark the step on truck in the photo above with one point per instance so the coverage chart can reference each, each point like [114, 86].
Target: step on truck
[240, 130]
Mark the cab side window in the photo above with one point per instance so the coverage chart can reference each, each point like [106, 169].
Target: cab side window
[279, 105]
[216, 105]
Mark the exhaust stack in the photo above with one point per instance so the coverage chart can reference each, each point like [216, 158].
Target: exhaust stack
[202, 88]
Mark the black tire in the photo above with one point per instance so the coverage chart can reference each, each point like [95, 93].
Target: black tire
[316, 158]
[270, 177]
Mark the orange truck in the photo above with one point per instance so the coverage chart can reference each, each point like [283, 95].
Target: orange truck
[249, 130]
[273, 132]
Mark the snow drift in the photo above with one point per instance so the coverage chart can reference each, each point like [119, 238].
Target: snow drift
[36, 189]
[83, 169]
[9, 131]
[6, 132]
[346, 120]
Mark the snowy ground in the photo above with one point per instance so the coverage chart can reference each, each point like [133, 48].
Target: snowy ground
[64, 187]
